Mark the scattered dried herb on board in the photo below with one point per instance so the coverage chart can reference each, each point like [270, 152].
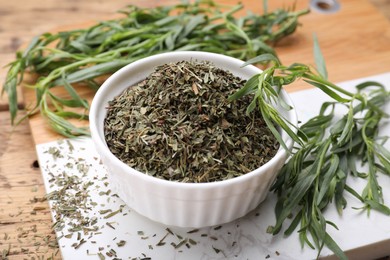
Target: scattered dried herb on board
[84, 216]
[179, 125]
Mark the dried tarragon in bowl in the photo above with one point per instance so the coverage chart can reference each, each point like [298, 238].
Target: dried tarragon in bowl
[179, 125]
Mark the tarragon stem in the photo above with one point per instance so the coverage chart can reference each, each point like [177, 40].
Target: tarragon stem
[328, 149]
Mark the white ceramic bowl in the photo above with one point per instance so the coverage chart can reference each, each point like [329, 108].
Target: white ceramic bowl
[173, 203]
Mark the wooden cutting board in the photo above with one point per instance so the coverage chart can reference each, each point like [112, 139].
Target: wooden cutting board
[355, 42]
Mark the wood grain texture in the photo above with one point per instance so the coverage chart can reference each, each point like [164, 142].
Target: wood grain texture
[355, 42]
[24, 230]
[383, 6]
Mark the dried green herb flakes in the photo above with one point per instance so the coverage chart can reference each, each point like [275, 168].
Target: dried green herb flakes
[179, 125]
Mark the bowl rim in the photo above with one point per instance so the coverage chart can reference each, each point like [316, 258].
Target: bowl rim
[101, 144]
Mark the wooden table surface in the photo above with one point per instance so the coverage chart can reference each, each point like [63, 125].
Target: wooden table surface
[355, 42]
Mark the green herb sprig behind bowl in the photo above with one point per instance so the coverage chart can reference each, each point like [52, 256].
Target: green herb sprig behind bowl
[64, 59]
[168, 201]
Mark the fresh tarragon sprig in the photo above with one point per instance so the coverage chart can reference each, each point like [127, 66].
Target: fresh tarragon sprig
[70, 58]
[327, 151]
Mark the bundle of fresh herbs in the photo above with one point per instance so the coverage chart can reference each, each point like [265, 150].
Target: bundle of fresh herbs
[82, 56]
[328, 149]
